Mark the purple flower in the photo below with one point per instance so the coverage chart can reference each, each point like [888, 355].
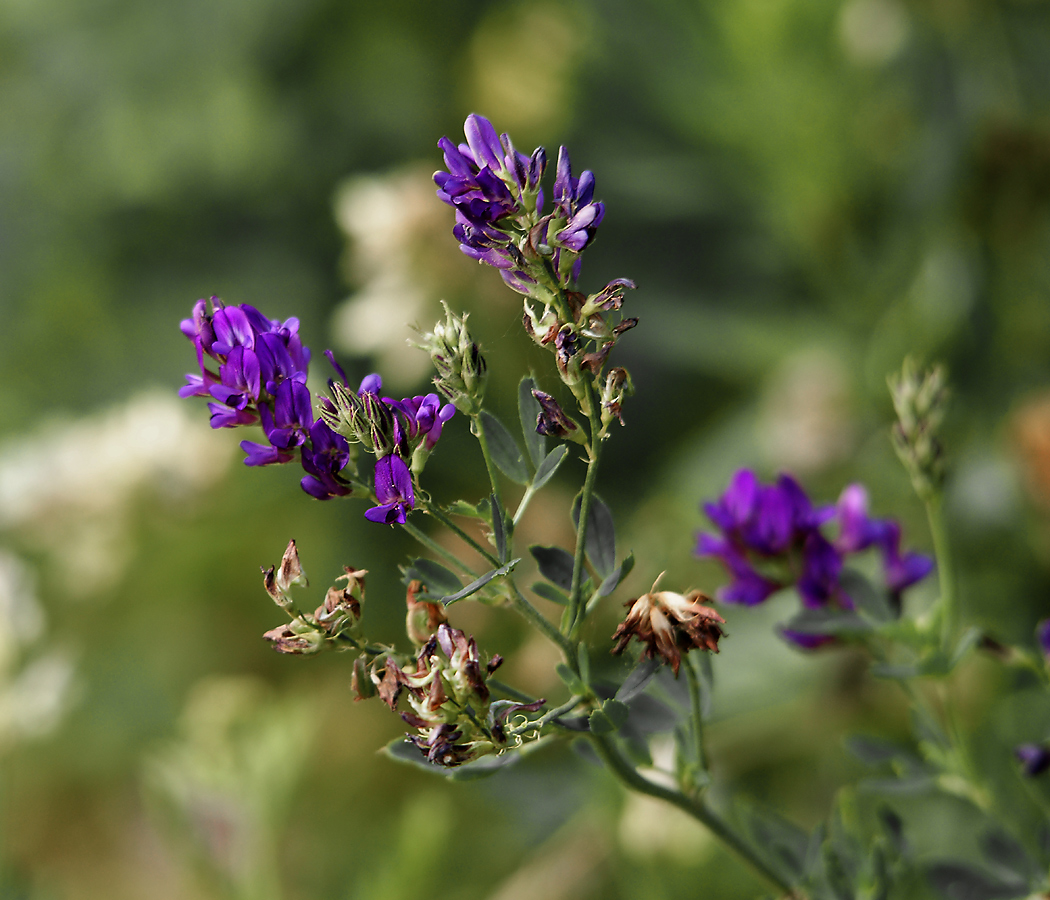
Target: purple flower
[1034, 758]
[573, 200]
[1042, 632]
[422, 418]
[776, 529]
[322, 461]
[264, 454]
[902, 570]
[289, 423]
[393, 491]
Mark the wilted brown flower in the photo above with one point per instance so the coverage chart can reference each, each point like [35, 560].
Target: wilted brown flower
[423, 616]
[670, 624]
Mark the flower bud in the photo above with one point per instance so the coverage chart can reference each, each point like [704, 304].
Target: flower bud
[542, 328]
[295, 638]
[461, 369]
[920, 399]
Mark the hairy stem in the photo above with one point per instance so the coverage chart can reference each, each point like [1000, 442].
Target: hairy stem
[460, 533]
[576, 590]
[542, 623]
[696, 707]
[945, 572]
[427, 541]
[697, 808]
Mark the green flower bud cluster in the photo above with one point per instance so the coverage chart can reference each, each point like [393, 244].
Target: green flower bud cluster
[461, 369]
[920, 399]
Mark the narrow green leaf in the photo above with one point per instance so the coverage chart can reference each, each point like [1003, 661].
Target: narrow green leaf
[546, 469]
[600, 541]
[550, 592]
[570, 678]
[504, 449]
[499, 528]
[584, 660]
[462, 508]
[529, 412]
[555, 564]
[638, 680]
[476, 586]
[612, 582]
[436, 577]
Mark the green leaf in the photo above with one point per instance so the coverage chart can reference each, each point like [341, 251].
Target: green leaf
[870, 602]
[477, 585]
[546, 469]
[550, 592]
[638, 680]
[615, 711]
[499, 528]
[828, 621]
[484, 767]
[529, 412]
[555, 564]
[600, 541]
[436, 577]
[570, 679]
[612, 582]
[600, 723]
[583, 658]
[462, 508]
[403, 751]
[874, 751]
[504, 449]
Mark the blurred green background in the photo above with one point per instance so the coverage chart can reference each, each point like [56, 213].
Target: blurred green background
[805, 192]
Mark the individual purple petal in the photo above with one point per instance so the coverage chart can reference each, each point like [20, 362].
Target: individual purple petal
[263, 454]
[821, 566]
[856, 530]
[232, 329]
[806, 640]
[901, 570]
[370, 384]
[1034, 758]
[227, 417]
[292, 415]
[483, 141]
[1042, 632]
[393, 483]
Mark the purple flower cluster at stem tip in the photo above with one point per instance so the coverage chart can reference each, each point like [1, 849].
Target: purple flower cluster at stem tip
[496, 193]
[770, 538]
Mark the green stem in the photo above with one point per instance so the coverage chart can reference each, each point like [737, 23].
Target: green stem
[945, 572]
[536, 618]
[594, 452]
[445, 520]
[695, 807]
[427, 541]
[478, 430]
[696, 707]
[523, 505]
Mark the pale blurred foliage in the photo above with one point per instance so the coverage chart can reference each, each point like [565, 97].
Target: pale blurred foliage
[225, 783]
[69, 487]
[873, 32]
[36, 686]
[389, 220]
[526, 85]
[805, 422]
[650, 829]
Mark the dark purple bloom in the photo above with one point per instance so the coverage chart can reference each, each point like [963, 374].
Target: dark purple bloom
[422, 417]
[776, 529]
[806, 640]
[322, 461]
[1042, 632]
[264, 454]
[393, 491]
[552, 421]
[748, 587]
[902, 570]
[289, 423]
[573, 201]
[1034, 758]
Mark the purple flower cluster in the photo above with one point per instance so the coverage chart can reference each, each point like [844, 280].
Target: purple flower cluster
[262, 373]
[498, 199]
[770, 538]
[396, 430]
